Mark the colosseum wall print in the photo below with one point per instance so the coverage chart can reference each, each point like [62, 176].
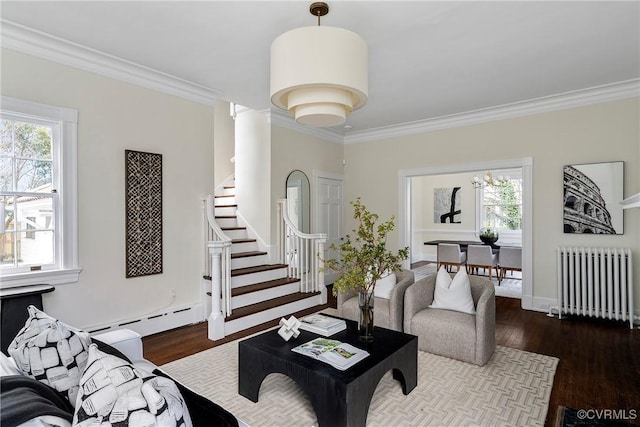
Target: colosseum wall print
[592, 196]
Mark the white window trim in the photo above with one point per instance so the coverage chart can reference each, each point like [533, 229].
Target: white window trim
[509, 234]
[69, 270]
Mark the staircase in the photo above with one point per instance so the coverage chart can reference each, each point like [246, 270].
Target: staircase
[258, 291]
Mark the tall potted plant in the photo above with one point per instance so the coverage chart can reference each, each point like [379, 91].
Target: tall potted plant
[363, 260]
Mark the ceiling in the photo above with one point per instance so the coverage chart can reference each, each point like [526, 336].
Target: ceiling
[427, 59]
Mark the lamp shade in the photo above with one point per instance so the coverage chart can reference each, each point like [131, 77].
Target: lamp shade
[319, 74]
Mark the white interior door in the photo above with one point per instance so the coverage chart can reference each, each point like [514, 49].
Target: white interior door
[329, 216]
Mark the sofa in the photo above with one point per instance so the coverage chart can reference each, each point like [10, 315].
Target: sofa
[388, 312]
[33, 401]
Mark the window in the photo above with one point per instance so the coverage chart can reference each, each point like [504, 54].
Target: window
[38, 208]
[502, 206]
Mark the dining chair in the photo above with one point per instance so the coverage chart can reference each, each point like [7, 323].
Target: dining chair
[510, 259]
[481, 256]
[450, 254]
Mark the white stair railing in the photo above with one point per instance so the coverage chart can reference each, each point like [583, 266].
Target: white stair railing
[301, 252]
[219, 265]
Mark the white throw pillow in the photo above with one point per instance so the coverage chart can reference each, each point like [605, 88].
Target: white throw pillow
[50, 351]
[115, 392]
[384, 286]
[453, 294]
[8, 366]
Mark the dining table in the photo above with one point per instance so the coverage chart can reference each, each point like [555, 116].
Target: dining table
[464, 243]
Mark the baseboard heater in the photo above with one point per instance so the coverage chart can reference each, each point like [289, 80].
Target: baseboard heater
[158, 322]
[595, 282]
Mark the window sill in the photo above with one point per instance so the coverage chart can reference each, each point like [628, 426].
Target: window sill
[53, 277]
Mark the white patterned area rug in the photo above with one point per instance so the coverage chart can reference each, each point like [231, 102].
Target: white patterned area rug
[512, 389]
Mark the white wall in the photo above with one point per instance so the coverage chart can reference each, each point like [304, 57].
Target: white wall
[114, 116]
[597, 133]
[224, 142]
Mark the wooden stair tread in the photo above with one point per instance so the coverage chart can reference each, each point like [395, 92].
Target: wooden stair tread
[256, 269]
[226, 206]
[232, 228]
[224, 195]
[268, 304]
[247, 254]
[262, 286]
[226, 217]
[246, 240]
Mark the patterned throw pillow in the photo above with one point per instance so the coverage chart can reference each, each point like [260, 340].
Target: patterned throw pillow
[114, 392]
[51, 352]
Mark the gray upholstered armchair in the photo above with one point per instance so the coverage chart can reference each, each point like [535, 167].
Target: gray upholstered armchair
[387, 312]
[467, 337]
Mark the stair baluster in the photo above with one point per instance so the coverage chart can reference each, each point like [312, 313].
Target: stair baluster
[300, 252]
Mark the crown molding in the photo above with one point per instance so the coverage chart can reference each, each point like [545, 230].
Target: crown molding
[39, 44]
[578, 98]
[283, 119]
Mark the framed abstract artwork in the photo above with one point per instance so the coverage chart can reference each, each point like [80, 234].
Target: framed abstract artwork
[143, 204]
[447, 205]
[592, 195]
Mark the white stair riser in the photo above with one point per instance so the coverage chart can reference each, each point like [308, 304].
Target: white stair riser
[227, 222]
[249, 261]
[259, 296]
[228, 191]
[262, 276]
[236, 234]
[247, 322]
[225, 211]
[226, 200]
[244, 247]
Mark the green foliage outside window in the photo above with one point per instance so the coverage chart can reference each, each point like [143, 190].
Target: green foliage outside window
[503, 206]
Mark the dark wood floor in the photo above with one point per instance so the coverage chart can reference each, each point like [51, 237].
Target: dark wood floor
[599, 364]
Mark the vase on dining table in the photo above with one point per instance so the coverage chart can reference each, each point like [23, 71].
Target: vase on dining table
[365, 323]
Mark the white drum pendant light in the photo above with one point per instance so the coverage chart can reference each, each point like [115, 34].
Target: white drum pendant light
[319, 74]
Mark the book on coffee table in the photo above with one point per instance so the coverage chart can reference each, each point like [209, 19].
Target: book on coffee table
[340, 355]
[321, 324]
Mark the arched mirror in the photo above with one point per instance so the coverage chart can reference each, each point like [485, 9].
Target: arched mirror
[298, 200]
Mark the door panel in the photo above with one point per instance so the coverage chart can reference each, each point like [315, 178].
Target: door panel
[329, 207]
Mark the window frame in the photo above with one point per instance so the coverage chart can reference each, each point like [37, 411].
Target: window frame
[511, 235]
[64, 155]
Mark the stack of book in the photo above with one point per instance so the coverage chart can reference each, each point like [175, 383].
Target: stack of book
[321, 324]
[337, 354]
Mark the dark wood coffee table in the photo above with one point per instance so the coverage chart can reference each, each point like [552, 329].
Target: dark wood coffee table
[339, 398]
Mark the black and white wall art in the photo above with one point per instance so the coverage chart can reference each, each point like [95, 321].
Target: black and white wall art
[447, 205]
[592, 195]
[143, 201]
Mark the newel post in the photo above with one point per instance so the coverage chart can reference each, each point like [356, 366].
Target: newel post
[216, 318]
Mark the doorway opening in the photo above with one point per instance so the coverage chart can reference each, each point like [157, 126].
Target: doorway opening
[420, 219]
